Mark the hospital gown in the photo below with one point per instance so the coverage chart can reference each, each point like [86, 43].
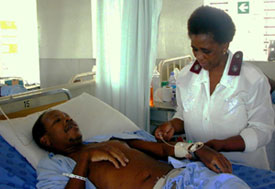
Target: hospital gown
[195, 175]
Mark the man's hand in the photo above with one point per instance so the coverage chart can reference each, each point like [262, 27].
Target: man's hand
[214, 160]
[165, 131]
[105, 152]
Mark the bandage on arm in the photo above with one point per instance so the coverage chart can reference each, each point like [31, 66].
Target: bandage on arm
[182, 149]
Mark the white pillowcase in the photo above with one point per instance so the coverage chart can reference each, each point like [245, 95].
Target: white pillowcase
[93, 116]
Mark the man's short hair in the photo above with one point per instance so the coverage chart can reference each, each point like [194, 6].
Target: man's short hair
[38, 131]
[210, 20]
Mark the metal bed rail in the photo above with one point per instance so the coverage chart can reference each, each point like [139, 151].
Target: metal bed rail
[168, 65]
[33, 94]
[77, 78]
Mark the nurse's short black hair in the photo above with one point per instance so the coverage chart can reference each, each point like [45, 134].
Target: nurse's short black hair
[210, 20]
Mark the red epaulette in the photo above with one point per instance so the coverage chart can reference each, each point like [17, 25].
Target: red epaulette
[236, 64]
[180, 139]
[196, 67]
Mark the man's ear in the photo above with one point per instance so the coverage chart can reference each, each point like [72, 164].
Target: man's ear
[44, 140]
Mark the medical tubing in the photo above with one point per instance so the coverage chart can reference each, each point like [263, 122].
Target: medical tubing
[161, 138]
[5, 115]
[11, 125]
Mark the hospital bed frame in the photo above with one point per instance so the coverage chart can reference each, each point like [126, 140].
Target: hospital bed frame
[166, 66]
[22, 101]
[80, 77]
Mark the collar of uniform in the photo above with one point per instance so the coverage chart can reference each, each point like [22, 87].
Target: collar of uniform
[227, 80]
[201, 77]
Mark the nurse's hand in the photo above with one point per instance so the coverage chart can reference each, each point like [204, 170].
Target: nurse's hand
[214, 160]
[165, 131]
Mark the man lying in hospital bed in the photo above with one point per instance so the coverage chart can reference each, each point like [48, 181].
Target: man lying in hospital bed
[85, 109]
[119, 163]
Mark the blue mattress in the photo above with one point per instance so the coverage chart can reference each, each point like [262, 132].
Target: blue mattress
[16, 172]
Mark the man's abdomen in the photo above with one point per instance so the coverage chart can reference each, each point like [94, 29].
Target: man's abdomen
[142, 171]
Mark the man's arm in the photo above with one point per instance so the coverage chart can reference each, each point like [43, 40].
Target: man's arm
[95, 153]
[160, 150]
[211, 158]
[80, 169]
[50, 173]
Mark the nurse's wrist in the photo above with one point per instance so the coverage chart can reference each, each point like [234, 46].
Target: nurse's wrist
[235, 143]
[217, 145]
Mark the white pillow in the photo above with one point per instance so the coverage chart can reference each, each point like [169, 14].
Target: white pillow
[93, 116]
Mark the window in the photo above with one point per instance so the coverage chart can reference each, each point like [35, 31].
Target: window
[19, 40]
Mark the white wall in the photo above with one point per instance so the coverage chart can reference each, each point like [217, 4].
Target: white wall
[173, 40]
[65, 40]
[60, 71]
[64, 28]
[267, 67]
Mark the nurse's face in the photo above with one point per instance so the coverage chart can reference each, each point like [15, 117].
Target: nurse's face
[208, 52]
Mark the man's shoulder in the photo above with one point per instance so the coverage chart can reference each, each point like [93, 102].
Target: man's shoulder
[54, 160]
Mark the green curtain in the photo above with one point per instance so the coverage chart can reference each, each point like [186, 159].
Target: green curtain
[127, 32]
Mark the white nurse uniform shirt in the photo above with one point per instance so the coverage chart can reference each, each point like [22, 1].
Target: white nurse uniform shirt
[239, 105]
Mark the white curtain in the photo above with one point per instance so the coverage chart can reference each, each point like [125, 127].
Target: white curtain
[126, 54]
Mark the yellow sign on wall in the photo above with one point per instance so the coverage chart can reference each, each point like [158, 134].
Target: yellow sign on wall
[8, 37]
[9, 48]
[8, 25]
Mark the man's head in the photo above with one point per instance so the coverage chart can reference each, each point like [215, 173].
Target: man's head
[55, 131]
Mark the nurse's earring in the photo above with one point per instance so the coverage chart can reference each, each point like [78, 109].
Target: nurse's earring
[224, 51]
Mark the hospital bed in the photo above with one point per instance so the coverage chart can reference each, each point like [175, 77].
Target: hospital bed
[19, 155]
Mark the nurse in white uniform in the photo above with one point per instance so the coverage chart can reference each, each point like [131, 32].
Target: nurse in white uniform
[221, 100]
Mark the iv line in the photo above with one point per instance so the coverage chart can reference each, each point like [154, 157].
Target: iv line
[12, 126]
[161, 138]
